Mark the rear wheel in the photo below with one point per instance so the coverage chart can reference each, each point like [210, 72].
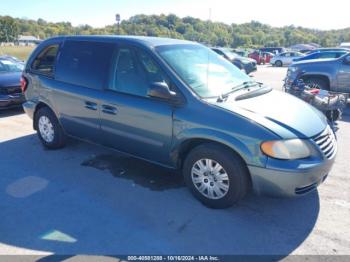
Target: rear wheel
[278, 63]
[48, 128]
[216, 176]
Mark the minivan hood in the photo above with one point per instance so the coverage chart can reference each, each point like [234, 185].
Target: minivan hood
[283, 114]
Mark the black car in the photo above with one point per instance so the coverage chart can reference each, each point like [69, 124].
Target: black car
[243, 63]
[10, 84]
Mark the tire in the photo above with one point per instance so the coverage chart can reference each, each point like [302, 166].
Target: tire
[49, 129]
[316, 82]
[234, 185]
[333, 115]
[278, 63]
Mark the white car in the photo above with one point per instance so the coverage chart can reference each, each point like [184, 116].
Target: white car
[285, 58]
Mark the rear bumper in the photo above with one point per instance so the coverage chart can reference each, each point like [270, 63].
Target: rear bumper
[10, 101]
[302, 179]
[249, 68]
[29, 108]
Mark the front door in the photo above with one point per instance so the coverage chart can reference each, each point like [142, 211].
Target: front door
[131, 121]
[343, 77]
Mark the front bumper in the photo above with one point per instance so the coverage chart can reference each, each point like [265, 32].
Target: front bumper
[11, 101]
[295, 179]
[290, 79]
[250, 67]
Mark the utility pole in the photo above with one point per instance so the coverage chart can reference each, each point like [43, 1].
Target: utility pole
[117, 18]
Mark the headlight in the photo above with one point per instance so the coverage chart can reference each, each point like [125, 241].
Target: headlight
[286, 149]
[293, 69]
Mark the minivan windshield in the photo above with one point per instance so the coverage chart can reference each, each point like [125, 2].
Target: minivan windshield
[207, 73]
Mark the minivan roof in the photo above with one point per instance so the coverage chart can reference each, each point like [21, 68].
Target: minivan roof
[144, 40]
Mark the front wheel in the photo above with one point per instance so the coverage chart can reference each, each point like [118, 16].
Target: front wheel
[48, 128]
[216, 176]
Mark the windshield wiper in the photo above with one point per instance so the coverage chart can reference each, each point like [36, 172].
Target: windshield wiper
[243, 85]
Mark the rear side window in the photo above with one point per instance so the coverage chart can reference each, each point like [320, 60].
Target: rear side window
[85, 63]
[327, 55]
[44, 63]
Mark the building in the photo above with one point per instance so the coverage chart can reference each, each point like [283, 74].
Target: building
[345, 45]
[27, 40]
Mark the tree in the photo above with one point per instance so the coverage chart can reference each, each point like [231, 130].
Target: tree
[8, 29]
[252, 34]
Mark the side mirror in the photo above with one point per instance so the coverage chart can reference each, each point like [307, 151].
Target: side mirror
[160, 90]
[347, 60]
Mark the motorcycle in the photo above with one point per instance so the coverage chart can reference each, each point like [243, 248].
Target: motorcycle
[332, 104]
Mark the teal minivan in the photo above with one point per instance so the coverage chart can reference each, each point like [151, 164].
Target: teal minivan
[180, 105]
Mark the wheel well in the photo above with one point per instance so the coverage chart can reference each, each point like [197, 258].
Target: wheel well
[188, 145]
[325, 78]
[39, 106]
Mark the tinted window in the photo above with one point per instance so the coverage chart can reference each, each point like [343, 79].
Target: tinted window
[85, 63]
[327, 55]
[218, 52]
[44, 63]
[339, 54]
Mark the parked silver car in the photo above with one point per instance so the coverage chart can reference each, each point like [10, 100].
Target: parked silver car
[285, 58]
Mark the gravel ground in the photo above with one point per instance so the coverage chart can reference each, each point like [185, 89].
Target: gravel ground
[85, 199]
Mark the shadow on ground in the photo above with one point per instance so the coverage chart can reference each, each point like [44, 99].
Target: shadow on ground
[50, 202]
[11, 112]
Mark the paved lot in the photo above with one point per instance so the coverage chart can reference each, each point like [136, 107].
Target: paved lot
[89, 200]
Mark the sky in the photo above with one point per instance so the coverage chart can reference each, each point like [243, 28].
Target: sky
[321, 14]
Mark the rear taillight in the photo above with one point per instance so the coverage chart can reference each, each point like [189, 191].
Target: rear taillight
[24, 84]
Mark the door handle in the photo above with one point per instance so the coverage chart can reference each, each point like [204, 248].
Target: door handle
[90, 105]
[109, 110]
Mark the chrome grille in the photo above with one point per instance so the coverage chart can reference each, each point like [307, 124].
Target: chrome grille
[327, 142]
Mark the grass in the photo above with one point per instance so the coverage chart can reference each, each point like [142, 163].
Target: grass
[21, 52]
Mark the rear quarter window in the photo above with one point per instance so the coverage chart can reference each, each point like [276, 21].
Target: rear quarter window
[85, 63]
[44, 62]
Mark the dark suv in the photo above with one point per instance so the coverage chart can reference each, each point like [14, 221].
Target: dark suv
[331, 74]
[180, 105]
